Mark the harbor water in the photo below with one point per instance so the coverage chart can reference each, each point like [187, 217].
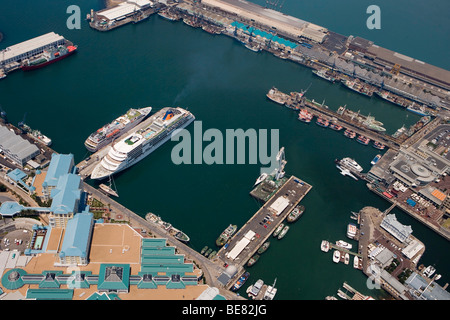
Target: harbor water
[160, 63]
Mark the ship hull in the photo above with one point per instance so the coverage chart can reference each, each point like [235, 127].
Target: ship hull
[41, 65]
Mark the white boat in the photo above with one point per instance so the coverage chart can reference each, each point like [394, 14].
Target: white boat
[261, 178]
[375, 160]
[139, 144]
[356, 262]
[271, 291]
[344, 244]
[256, 288]
[429, 271]
[437, 277]
[325, 246]
[336, 256]
[350, 164]
[346, 172]
[351, 230]
[346, 258]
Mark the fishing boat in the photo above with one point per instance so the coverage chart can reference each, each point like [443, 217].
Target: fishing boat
[226, 235]
[283, 232]
[418, 110]
[264, 247]
[295, 213]
[325, 246]
[346, 258]
[240, 282]
[373, 124]
[343, 244]
[357, 87]
[363, 140]
[305, 116]
[336, 256]
[335, 127]
[271, 291]
[351, 230]
[181, 236]
[378, 145]
[204, 249]
[253, 260]
[322, 122]
[375, 160]
[212, 254]
[278, 230]
[254, 48]
[208, 252]
[350, 133]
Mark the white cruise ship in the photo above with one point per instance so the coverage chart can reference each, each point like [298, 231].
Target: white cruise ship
[136, 146]
[351, 164]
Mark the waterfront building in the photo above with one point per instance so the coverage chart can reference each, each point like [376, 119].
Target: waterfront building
[60, 164]
[421, 289]
[15, 148]
[18, 177]
[123, 10]
[395, 228]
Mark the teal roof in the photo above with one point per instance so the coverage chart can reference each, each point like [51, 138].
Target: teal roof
[252, 30]
[67, 194]
[60, 164]
[114, 277]
[18, 176]
[10, 208]
[77, 236]
[50, 294]
[103, 296]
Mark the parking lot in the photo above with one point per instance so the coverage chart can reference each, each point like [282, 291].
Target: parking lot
[15, 240]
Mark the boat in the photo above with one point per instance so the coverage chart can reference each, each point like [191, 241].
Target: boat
[375, 159]
[346, 258]
[207, 253]
[204, 249]
[295, 213]
[322, 122]
[166, 14]
[418, 110]
[346, 172]
[192, 21]
[351, 230]
[139, 144]
[253, 260]
[261, 178]
[325, 246]
[357, 87]
[283, 232]
[35, 134]
[324, 75]
[305, 116]
[278, 230]
[212, 254]
[271, 291]
[399, 132]
[49, 56]
[240, 282]
[356, 262]
[254, 48]
[429, 271]
[363, 140]
[343, 244]
[335, 127]
[277, 96]
[226, 235]
[437, 277]
[264, 247]
[399, 101]
[373, 124]
[378, 145]
[336, 256]
[181, 236]
[108, 188]
[350, 133]
[350, 164]
[116, 128]
[256, 288]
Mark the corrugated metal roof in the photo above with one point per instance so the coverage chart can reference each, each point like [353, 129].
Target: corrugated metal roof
[77, 235]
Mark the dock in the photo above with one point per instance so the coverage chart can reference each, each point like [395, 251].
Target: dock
[240, 249]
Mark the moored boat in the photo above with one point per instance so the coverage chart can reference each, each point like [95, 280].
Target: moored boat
[240, 282]
[277, 96]
[324, 75]
[325, 246]
[375, 159]
[278, 230]
[378, 145]
[322, 122]
[283, 232]
[271, 291]
[208, 252]
[351, 230]
[336, 256]
[253, 260]
[343, 244]
[108, 190]
[305, 116]
[264, 247]
[49, 56]
[183, 237]
[335, 127]
[204, 249]
[346, 258]
[350, 133]
[226, 235]
[363, 140]
[295, 213]
[356, 262]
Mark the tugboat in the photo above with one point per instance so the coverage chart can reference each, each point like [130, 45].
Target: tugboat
[240, 282]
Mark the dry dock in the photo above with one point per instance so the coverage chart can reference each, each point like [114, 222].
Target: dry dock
[239, 250]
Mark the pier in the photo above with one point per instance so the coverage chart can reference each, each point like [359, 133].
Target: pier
[240, 249]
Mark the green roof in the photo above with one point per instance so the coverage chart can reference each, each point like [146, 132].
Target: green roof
[114, 277]
[50, 294]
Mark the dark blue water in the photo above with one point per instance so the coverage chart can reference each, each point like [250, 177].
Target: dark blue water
[161, 63]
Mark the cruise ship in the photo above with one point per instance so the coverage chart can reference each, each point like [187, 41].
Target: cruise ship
[119, 126]
[350, 164]
[136, 146]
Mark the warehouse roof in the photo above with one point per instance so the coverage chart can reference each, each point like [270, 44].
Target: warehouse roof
[15, 144]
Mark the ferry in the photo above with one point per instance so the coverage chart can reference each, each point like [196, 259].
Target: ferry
[336, 256]
[351, 164]
[117, 127]
[325, 246]
[351, 230]
[350, 133]
[296, 213]
[322, 122]
[283, 232]
[336, 127]
[324, 75]
[138, 145]
[240, 282]
[378, 145]
[226, 235]
[277, 96]
[363, 140]
[375, 160]
[305, 116]
[278, 230]
[343, 244]
[49, 56]
[253, 260]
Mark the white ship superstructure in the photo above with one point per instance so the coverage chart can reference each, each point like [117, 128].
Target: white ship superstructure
[136, 146]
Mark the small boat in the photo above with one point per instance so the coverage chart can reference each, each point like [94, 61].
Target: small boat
[278, 230]
[207, 253]
[350, 133]
[204, 250]
[271, 291]
[346, 172]
[336, 256]
[363, 140]
[351, 230]
[253, 260]
[264, 247]
[212, 254]
[429, 271]
[283, 232]
[183, 237]
[335, 127]
[325, 246]
[256, 288]
[346, 258]
[226, 235]
[305, 116]
[322, 122]
[356, 262]
[261, 178]
[108, 188]
[437, 277]
[378, 145]
[344, 244]
[375, 160]
[295, 213]
[240, 282]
